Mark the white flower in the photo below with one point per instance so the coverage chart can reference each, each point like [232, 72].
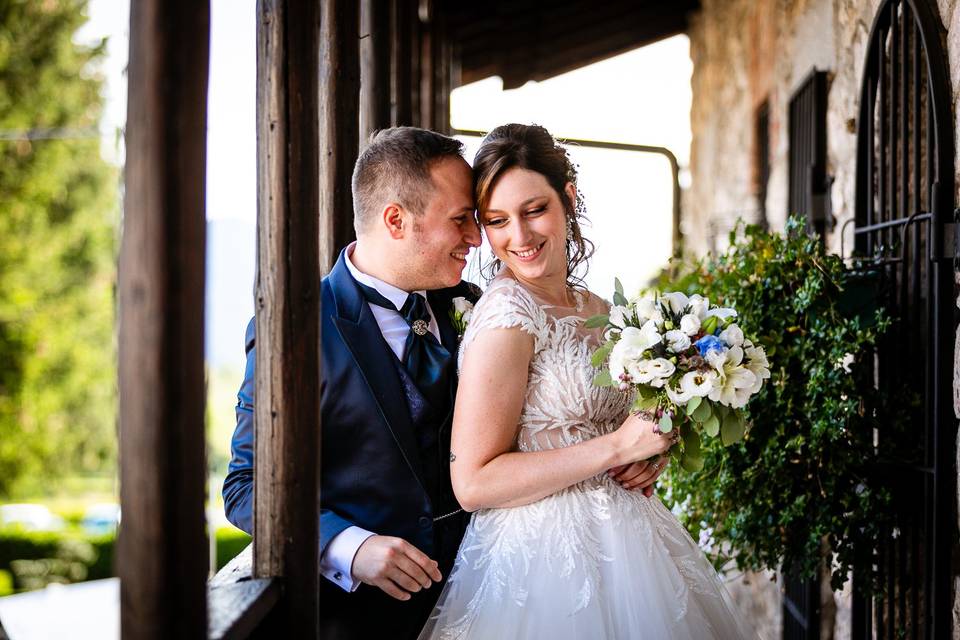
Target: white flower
[619, 315]
[690, 324]
[659, 369]
[677, 301]
[716, 359]
[648, 309]
[677, 341]
[629, 349]
[732, 336]
[722, 313]
[734, 382]
[693, 383]
[698, 306]
[758, 366]
[462, 305]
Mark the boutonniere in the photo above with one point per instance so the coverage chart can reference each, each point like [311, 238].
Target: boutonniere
[460, 314]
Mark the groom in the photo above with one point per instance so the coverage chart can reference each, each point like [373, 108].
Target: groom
[390, 525]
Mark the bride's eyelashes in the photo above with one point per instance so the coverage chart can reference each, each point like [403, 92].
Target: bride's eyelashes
[500, 221]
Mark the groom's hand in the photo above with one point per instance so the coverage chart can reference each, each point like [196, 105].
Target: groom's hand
[394, 566]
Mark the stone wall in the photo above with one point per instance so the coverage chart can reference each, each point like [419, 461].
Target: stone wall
[746, 52]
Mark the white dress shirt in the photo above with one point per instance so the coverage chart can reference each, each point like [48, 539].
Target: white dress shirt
[336, 562]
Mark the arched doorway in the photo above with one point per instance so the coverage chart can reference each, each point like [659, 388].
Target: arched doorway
[904, 211]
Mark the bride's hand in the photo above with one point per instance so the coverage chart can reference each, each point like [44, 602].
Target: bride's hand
[639, 438]
[639, 476]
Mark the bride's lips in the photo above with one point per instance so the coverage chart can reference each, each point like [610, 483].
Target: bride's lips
[529, 255]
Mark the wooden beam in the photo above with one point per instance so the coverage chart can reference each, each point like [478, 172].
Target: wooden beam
[374, 67]
[237, 602]
[162, 548]
[287, 411]
[401, 79]
[339, 124]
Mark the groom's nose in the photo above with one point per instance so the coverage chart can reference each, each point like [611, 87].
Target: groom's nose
[472, 233]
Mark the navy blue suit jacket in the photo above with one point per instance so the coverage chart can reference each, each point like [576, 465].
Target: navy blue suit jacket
[371, 471]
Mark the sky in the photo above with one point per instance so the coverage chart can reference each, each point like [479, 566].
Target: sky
[640, 97]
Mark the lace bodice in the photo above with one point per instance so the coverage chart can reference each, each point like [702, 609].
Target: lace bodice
[562, 407]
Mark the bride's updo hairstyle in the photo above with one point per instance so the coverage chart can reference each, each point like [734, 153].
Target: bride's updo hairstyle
[531, 147]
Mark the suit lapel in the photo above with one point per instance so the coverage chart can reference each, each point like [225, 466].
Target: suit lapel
[440, 305]
[361, 335]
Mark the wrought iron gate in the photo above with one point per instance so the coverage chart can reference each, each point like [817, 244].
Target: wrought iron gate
[904, 216]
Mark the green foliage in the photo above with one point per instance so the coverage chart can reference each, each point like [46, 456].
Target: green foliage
[33, 559]
[802, 474]
[58, 215]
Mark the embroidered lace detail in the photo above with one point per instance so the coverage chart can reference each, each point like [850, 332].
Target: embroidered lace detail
[580, 546]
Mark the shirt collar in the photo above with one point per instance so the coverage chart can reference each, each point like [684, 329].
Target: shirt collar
[397, 296]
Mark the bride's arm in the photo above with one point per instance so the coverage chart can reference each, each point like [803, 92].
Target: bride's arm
[484, 470]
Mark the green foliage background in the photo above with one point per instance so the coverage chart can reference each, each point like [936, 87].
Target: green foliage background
[801, 478]
[58, 217]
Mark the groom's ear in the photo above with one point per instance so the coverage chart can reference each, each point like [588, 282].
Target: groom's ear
[395, 220]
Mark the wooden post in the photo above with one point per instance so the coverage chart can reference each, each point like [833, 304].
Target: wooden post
[287, 413]
[401, 77]
[162, 549]
[427, 85]
[374, 67]
[339, 124]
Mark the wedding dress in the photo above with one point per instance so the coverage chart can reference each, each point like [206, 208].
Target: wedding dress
[592, 561]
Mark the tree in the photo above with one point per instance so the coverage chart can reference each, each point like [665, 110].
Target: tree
[58, 218]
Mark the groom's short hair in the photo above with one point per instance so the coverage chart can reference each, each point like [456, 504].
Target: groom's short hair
[395, 167]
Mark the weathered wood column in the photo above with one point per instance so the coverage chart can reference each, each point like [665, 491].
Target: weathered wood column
[374, 67]
[162, 549]
[339, 124]
[402, 15]
[287, 413]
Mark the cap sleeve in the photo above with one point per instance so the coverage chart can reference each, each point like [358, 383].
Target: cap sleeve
[505, 304]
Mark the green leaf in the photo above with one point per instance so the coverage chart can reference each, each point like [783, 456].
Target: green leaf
[619, 300]
[595, 322]
[603, 379]
[691, 443]
[601, 353]
[711, 426]
[618, 286]
[666, 424]
[709, 325]
[732, 429]
[648, 403]
[692, 404]
[703, 412]
[691, 463]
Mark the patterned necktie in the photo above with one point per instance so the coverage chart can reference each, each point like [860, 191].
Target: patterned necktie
[427, 361]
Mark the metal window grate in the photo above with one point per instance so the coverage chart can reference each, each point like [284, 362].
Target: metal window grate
[762, 159]
[809, 187]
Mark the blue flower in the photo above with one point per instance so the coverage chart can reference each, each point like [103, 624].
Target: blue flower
[706, 344]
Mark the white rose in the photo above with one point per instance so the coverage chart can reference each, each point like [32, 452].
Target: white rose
[698, 306]
[732, 336]
[462, 305]
[648, 309]
[660, 369]
[677, 341]
[690, 324]
[677, 301]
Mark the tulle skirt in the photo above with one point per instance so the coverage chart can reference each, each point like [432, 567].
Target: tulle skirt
[593, 561]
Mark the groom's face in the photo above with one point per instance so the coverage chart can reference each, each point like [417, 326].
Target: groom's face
[446, 230]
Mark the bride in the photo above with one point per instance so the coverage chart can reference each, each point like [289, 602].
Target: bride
[559, 545]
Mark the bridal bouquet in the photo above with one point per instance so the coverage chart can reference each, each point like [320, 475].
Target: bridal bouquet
[689, 361]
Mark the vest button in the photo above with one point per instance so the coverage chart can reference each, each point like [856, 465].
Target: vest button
[425, 522]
